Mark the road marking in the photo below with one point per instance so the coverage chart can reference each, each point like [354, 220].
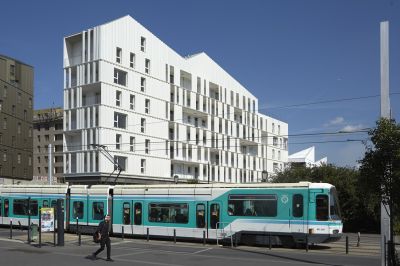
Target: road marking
[200, 251]
[132, 253]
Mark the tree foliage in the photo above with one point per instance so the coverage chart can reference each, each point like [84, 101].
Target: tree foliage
[380, 167]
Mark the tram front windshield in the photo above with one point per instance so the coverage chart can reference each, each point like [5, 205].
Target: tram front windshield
[334, 205]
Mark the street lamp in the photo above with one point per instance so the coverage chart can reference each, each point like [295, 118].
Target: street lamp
[176, 179]
[264, 176]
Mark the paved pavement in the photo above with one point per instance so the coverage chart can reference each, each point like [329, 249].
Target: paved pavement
[166, 253]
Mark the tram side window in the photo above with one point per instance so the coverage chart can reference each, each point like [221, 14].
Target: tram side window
[78, 209]
[322, 208]
[169, 213]
[98, 210]
[200, 216]
[20, 207]
[214, 215]
[253, 205]
[126, 213]
[297, 205]
[1, 207]
[45, 203]
[6, 208]
[138, 213]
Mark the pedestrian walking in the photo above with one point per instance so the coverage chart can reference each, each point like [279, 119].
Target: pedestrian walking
[103, 232]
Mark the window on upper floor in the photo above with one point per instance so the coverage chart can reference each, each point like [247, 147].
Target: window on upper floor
[143, 44]
[147, 106]
[120, 77]
[143, 125]
[119, 120]
[147, 146]
[143, 84]
[132, 60]
[132, 102]
[132, 144]
[118, 95]
[118, 138]
[143, 166]
[118, 58]
[147, 66]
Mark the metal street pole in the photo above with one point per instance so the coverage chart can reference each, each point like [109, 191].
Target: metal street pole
[385, 113]
[50, 165]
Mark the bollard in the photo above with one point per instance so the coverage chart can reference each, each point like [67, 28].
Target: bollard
[77, 225]
[79, 239]
[204, 238]
[10, 228]
[40, 228]
[306, 242]
[174, 235]
[270, 241]
[347, 244]
[148, 237]
[358, 239]
[54, 229]
[122, 233]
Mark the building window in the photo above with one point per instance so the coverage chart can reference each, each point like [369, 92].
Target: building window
[143, 84]
[132, 102]
[147, 146]
[25, 115]
[143, 166]
[132, 60]
[19, 158]
[118, 138]
[143, 44]
[132, 144]
[147, 106]
[5, 156]
[19, 128]
[1, 104]
[119, 120]
[147, 66]
[118, 98]
[143, 125]
[120, 77]
[30, 103]
[5, 92]
[5, 123]
[119, 55]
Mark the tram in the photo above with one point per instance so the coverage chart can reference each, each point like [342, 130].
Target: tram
[284, 213]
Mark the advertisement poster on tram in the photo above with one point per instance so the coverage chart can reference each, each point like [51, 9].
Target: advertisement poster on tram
[47, 219]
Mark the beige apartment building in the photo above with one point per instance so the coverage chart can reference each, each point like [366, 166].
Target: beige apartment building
[48, 129]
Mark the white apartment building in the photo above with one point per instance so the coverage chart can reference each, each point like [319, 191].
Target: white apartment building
[160, 115]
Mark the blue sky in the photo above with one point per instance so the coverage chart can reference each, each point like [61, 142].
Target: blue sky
[284, 52]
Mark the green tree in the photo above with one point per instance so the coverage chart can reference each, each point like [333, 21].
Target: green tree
[380, 167]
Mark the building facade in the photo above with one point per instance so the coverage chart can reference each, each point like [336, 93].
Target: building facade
[161, 116]
[48, 129]
[16, 102]
[306, 158]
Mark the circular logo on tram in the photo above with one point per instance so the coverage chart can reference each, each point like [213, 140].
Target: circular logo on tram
[284, 199]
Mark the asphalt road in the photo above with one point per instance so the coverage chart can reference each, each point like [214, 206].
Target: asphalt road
[164, 253]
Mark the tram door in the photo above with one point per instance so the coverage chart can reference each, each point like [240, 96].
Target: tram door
[201, 219]
[214, 218]
[138, 218]
[297, 216]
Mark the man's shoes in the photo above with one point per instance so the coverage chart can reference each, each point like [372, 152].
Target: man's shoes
[92, 257]
[109, 259]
